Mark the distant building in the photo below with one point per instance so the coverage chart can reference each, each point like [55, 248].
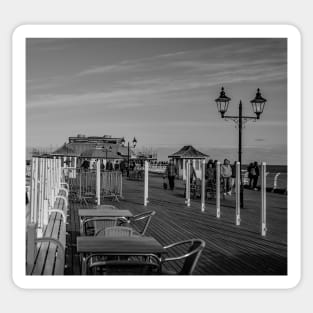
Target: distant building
[188, 153]
[81, 147]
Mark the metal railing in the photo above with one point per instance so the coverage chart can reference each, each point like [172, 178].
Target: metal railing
[84, 182]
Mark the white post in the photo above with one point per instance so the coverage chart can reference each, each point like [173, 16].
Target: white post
[203, 193]
[263, 201]
[41, 193]
[188, 183]
[238, 193]
[32, 192]
[146, 183]
[98, 182]
[275, 182]
[45, 212]
[218, 189]
[49, 182]
[36, 192]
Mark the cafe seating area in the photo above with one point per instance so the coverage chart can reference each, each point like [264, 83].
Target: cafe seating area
[114, 242]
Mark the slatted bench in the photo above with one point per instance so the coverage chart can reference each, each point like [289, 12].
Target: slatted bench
[46, 255]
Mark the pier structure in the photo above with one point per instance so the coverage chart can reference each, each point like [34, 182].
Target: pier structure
[234, 244]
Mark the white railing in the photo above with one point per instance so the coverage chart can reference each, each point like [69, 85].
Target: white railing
[45, 187]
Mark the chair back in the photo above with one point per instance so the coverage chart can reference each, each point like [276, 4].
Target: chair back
[139, 264]
[95, 226]
[102, 224]
[118, 231]
[141, 227]
[192, 258]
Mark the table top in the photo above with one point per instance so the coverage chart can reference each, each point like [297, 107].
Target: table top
[105, 206]
[132, 245]
[104, 213]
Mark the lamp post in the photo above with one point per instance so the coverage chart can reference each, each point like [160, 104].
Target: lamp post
[128, 151]
[258, 104]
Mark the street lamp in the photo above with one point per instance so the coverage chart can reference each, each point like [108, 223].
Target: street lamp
[258, 104]
[128, 150]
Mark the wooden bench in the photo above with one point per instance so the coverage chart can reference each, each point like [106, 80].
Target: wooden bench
[46, 255]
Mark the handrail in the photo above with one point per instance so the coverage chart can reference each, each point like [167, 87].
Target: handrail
[64, 198]
[59, 211]
[59, 245]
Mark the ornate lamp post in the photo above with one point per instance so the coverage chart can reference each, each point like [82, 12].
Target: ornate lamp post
[258, 104]
[128, 150]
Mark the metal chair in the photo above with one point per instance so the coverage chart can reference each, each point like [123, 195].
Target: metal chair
[190, 258]
[97, 225]
[139, 222]
[118, 231]
[134, 264]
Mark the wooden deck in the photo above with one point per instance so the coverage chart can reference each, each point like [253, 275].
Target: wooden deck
[230, 249]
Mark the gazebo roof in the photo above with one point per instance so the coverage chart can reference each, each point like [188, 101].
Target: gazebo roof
[65, 150]
[188, 152]
[100, 153]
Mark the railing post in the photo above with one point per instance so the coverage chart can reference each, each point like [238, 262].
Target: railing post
[218, 189]
[263, 200]
[98, 183]
[41, 194]
[45, 212]
[203, 193]
[146, 183]
[237, 193]
[188, 183]
[32, 192]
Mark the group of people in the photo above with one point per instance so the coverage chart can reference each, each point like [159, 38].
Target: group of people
[227, 172]
[109, 166]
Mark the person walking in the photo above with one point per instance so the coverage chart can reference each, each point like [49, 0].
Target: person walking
[171, 172]
[226, 173]
[210, 179]
[250, 171]
[256, 174]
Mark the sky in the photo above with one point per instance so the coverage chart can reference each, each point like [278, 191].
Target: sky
[161, 91]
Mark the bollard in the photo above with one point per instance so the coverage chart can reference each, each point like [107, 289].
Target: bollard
[187, 201]
[238, 193]
[146, 183]
[98, 183]
[218, 189]
[263, 200]
[203, 193]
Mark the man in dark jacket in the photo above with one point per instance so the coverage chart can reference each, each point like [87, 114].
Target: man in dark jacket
[255, 175]
[171, 171]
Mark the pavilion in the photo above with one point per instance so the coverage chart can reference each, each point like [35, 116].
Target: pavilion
[188, 153]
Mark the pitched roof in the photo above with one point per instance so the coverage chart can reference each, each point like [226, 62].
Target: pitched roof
[65, 150]
[187, 152]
